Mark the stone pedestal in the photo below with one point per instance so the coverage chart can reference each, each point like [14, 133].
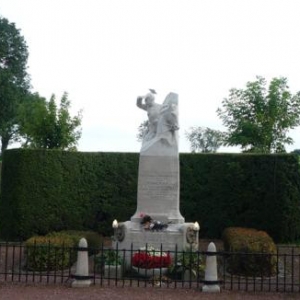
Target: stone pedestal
[177, 237]
[131, 235]
[158, 189]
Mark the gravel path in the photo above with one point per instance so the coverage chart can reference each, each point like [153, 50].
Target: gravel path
[38, 292]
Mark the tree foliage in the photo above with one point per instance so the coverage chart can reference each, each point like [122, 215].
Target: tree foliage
[204, 139]
[296, 151]
[45, 126]
[14, 80]
[142, 130]
[258, 119]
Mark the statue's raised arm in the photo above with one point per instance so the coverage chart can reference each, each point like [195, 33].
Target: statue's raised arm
[153, 110]
[140, 104]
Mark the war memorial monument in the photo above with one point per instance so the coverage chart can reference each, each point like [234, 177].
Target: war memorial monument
[157, 220]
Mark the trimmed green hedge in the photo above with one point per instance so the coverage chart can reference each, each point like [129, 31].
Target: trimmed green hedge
[48, 190]
[242, 190]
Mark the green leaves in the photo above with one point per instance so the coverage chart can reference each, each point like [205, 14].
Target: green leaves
[24, 115]
[14, 80]
[45, 126]
[204, 139]
[258, 118]
[142, 130]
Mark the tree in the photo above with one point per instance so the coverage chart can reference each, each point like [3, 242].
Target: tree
[204, 139]
[14, 80]
[44, 126]
[258, 118]
[142, 130]
[296, 151]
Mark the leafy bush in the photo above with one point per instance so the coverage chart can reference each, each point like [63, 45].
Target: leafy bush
[94, 240]
[47, 253]
[188, 265]
[254, 252]
[107, 257]
[109, 263]
[112, 257]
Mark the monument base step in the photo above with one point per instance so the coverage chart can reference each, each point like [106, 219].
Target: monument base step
[176, 237]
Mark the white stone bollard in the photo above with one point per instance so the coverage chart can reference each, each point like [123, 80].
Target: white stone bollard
[82, 278]
[211, 271]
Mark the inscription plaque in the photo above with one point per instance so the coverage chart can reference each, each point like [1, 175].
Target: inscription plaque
[158, 188]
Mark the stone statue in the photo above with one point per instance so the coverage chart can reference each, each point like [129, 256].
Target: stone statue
[161, 137]
[153, 110]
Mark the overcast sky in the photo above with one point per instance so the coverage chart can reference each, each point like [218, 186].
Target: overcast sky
[105, 53]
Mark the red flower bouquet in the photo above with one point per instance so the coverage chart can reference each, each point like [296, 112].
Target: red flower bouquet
[151, 258]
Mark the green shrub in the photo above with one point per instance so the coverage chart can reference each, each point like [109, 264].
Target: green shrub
[94, 240]
[65, 235]
[108, 257]
[71, 191]
[253, 252]
[242, 190]
[188, 265]
[87, 191]
[0, 171]
[48, 253]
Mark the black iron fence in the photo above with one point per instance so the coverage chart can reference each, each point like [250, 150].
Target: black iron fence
[278, 272]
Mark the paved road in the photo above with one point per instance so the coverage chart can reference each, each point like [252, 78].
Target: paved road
[39, 292]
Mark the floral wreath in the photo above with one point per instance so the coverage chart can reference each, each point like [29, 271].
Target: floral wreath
[153, 225]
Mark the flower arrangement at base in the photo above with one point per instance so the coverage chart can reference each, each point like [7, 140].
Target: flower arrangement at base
[149, 224]
[151, 258]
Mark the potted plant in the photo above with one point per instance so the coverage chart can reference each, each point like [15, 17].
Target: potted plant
[109, 264]
[188, 266]
[149, 261]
